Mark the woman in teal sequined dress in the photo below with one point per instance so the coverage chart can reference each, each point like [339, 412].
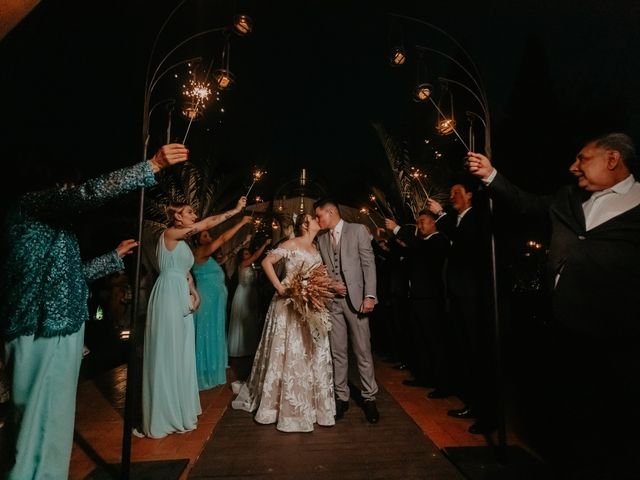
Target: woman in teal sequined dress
[170, 399]
[44, 308]
[210, 318]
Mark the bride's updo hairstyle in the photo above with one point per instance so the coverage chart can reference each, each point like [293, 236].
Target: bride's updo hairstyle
[171, 210]
[301, 225]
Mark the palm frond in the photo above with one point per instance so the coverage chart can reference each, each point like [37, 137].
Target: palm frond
[412, 187]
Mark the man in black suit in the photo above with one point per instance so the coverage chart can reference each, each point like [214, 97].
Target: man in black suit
[594, 280]
[468, 293]
[426, 255]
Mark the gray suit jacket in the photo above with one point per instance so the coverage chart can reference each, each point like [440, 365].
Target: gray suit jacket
[357, 259]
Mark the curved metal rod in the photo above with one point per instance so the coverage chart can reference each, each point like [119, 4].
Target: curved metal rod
[475, 115]
[166, 100]
[155, 41]
[462, 85]
[487, 119]
[147, 97]
[446, 34]
[188, 60]
[186, 40]
[453, 60]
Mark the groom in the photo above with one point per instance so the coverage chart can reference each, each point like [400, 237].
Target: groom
[346, 251]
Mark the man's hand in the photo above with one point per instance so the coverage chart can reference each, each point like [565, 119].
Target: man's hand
[368, 305]
[434, 206]
[390, 224]
[246, 219]
[479, 165]
[126, 247]
[168, 155]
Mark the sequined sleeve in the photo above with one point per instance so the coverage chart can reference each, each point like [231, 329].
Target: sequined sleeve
[93, 193]
[102, 266]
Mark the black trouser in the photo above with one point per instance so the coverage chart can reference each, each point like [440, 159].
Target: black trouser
[474, 375]
[431, 341]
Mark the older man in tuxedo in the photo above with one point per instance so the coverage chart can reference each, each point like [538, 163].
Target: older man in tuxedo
[594, 280]
[346, 251]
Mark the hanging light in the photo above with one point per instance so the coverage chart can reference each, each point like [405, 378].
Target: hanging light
[223, 77]
[446, 125]
[192, 112]
[422, 92]
[242, 25]
[398, 56]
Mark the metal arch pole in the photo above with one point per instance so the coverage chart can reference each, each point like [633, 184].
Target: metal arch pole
[133, 365]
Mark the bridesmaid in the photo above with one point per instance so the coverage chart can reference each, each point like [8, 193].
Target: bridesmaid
[245, 310]
[210, 318]
[170, 399]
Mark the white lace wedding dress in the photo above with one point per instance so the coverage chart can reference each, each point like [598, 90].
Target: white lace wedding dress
[291, 380]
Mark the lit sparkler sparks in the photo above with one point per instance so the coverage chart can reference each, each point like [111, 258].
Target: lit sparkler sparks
[417, 175]
[365, 211]
[383, 211]
[257, 175]
[199, 93]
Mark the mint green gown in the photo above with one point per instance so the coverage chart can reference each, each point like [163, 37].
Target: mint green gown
[170, 398]
[210, 322]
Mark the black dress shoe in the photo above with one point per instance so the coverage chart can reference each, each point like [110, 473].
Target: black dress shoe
[341, 408]
[461, 413]
[481, 428]
[371, 411]
[438, 393]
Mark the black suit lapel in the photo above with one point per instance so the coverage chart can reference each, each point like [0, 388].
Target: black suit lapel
[568, 209]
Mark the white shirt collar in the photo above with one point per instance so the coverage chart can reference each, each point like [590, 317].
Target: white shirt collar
[624, 186]
[464, 212]
[338, 228]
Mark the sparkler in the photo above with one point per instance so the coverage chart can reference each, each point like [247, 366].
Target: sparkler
[416, 174]
[257, 175]
[199, 93]
[383, 211]
[365, 211]
[449, 124]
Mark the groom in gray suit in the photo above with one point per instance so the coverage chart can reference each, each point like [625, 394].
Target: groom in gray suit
[347, 253]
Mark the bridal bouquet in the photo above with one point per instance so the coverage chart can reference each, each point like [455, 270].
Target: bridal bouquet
[308, 291]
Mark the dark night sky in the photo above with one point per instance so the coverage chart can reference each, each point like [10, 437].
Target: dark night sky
[312, 79]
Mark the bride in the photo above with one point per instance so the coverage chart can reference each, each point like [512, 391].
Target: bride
[291, 380]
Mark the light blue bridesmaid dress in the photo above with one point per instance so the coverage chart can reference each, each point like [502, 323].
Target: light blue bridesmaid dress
[210, 321]
[170, 398]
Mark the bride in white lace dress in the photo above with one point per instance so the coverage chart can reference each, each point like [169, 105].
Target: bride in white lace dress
[291, 380]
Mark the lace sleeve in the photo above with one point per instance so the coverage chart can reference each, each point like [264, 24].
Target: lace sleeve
[282, 252]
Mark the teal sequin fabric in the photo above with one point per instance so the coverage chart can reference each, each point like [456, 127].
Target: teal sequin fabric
[44, 280]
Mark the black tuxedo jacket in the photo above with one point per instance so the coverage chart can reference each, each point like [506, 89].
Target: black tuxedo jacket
[425, 263]
[598, 289]
[468, 265]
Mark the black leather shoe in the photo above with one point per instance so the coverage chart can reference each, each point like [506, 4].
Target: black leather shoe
[438, 393]
[371, 411]
[461, 413]
[341, 408]
[401, 366]
[481, 428]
